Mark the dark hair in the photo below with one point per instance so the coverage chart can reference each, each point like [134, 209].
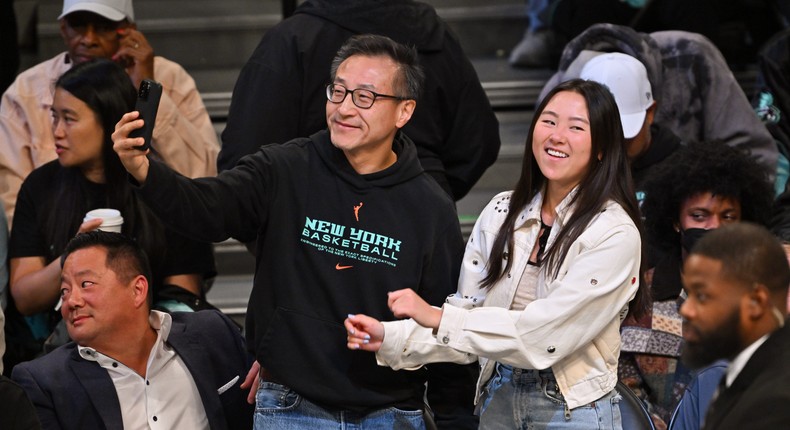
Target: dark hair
[107, 90]
[702, 167]
[749, 253]
[609, 179]
[408, 82]
[124, 255]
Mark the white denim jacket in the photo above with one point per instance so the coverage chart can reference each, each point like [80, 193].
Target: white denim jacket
[572, 326]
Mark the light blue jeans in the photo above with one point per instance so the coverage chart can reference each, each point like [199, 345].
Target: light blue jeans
[530, 399]
[279, 407]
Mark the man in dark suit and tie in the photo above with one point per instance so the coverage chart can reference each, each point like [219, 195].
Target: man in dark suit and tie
[130, 367]
[737, 279]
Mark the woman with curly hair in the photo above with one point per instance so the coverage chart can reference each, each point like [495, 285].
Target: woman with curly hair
[699, 188]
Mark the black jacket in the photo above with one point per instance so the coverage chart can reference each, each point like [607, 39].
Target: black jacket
[16, 410]
[760, 395]
[330, 242]
[280, 93]
[71, 393]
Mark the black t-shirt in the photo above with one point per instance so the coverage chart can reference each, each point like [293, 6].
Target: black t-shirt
[181, 256]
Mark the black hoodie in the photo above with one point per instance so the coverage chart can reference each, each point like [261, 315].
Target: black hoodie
[280, 92]
[331, 242]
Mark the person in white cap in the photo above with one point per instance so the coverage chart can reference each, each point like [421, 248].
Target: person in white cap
[646, 142]
[626, 78]
[183, 137]
[647, 145]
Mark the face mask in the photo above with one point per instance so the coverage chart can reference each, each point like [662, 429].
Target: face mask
[691, 236]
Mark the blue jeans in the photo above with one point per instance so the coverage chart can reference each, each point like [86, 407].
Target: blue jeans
[279, 407]
[531, 399]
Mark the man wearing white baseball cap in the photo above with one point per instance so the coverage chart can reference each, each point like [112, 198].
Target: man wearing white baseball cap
[646, 143]
[183, 136]
[114, 10]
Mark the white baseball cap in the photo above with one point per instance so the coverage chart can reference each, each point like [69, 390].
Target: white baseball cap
[114, 10]
[626, 78]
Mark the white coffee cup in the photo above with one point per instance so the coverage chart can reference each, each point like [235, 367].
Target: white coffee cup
[111, 219]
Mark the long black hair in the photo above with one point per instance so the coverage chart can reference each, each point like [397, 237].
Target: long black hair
[605, 180]
[107, 90]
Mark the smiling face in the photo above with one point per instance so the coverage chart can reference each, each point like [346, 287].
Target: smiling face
[706, 211]
[97, 305]
[561, 140]
[367, 134]
[78, 133]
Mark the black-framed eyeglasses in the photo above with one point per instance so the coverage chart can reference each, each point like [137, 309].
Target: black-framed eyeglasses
[361, 97]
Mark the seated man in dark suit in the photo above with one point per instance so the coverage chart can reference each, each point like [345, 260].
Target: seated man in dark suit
[130, 367]
[737, 278]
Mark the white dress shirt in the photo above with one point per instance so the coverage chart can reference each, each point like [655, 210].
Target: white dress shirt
[741, 359]
[167, 398]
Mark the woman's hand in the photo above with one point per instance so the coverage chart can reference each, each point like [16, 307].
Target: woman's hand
[89, 225]
[134, 160]
[364, 332]
[406, 303]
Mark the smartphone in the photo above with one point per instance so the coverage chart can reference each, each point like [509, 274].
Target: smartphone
[147, 104]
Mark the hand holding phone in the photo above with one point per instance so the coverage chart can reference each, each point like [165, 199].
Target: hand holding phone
[147, 104]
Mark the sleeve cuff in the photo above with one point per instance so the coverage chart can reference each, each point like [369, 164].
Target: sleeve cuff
[450, 325]
[394, 344]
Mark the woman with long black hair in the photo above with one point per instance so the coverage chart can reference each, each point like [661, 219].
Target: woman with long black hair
[88, 100]
[547, 277]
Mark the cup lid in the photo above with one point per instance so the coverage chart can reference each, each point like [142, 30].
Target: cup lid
[109, 216]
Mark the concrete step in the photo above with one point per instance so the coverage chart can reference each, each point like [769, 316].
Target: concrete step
[506, 87]
[212, 40]
[214, 35]
[198, 35]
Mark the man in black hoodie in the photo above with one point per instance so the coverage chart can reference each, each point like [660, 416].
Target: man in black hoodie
[341, 218]
[278, 95]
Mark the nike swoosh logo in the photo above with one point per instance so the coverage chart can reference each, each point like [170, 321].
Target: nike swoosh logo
[339, 267]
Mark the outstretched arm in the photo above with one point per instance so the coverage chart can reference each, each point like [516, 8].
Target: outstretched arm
[367, 333]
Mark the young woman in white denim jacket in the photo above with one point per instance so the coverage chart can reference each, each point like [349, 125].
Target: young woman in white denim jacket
[547, 277]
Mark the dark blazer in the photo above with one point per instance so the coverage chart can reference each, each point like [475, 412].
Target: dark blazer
[72, 393]
[16, 411]
[759, 398]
